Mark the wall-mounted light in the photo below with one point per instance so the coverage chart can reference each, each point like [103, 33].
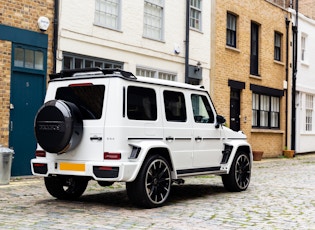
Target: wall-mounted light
[197, 67]
[43, 23]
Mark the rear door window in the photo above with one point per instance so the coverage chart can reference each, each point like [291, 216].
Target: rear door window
[175, 109]
[141, 103]
[88, 98]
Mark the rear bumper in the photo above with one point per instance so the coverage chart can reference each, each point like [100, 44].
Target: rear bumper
[101, 171]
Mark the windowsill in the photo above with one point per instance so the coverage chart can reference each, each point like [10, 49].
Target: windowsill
[232, 48]
[196, 30]
[309, 133]
[153, 39]
[278, 62]
[276, 131]
[304, 63]
[258, 77]
[109, 28]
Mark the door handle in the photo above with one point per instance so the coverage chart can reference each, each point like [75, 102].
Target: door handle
[11, 126]
[95, 138]
[169, 138]
[198, 139]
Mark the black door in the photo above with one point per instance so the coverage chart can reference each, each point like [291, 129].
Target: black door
[235, 109]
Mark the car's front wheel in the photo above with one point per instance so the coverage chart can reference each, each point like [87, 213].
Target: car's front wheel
[153, 183]
[66, 187]
[239, 176]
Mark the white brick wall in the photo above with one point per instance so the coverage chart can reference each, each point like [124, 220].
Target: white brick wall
[79, 35]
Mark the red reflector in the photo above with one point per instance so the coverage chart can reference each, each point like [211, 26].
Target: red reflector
[40, 153]
[112, 156]
[80, 84]
[105, 168]
[38, 165]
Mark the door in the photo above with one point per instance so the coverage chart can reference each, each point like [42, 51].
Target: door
[177, 130]
[207, 139]
[235, 109]
[27, 95]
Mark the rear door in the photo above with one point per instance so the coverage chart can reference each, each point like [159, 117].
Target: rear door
[177, 129]
[90, 99]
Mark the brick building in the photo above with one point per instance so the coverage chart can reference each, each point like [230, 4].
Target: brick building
[248, 75]
[25, 60]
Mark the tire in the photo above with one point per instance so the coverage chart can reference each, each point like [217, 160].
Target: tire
[58, 126]
[153, 183]
[239, 176]
[66, 188]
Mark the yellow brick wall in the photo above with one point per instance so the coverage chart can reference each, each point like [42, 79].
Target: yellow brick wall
[5, 63]
[20, 14]
[234, 64]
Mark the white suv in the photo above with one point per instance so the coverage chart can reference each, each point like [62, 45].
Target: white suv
[108, 125]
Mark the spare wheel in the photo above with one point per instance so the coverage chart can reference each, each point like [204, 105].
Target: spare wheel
[58, 126]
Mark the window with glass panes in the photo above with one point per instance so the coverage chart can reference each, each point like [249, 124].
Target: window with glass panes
[107, 13]
[303, 48]
[195, 14]
[153, 19]
[155, 74]
[265, 111]
[73, 61]
[308, 112]
[231, 30]
[278, 38]
[27, 58]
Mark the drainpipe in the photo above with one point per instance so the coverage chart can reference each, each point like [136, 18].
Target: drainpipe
[287, 22]
[187, 42]
[295, 50]
[55, 36]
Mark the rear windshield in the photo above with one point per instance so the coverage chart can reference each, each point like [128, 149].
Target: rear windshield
[89, 99]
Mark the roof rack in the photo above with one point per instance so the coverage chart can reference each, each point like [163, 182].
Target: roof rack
[72, 72]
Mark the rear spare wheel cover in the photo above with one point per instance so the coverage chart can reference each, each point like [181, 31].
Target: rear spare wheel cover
[58, 126]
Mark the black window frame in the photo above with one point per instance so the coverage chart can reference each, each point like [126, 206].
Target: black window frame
[277, 46]
[259, 109]
[254, 49]
[231, 33]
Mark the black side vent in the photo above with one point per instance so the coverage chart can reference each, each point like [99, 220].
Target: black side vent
[226, 153]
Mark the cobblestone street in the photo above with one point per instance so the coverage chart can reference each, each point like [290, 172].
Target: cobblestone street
[280, 196]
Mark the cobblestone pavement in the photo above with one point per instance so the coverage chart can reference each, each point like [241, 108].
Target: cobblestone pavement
[280, 196]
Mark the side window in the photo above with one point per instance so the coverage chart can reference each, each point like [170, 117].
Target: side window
[201, 109]
[141, 103]
[175, 109]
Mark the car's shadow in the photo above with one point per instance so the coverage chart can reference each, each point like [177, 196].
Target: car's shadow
[179, 193]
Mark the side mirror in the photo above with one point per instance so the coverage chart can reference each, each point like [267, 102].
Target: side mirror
[220, 121]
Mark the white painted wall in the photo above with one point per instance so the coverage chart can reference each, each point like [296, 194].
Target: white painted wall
[305, 84]
[78, 34]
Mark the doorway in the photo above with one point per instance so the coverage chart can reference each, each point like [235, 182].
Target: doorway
[28, 86]
[235, 109]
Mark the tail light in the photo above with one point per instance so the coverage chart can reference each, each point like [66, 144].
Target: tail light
[40, 153]
[112, 156]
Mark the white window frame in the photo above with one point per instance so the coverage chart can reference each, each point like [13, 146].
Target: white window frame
[195, 15]
[153, 19]
[154, 73]
[108, 14]
[304, 48]
[309, 104]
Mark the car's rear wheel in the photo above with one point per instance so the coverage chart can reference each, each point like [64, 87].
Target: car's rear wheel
[58, 126]
[239, 176]
[66, 187]
[153, 183]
